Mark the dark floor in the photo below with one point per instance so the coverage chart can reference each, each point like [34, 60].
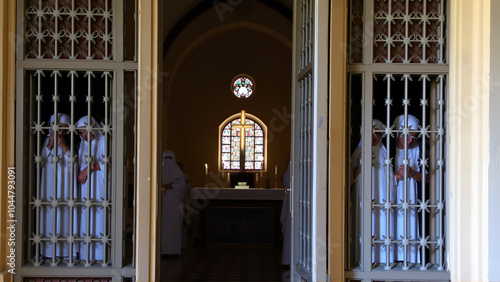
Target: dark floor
[225, 263]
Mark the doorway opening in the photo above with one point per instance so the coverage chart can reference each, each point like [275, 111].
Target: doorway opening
[206, 45]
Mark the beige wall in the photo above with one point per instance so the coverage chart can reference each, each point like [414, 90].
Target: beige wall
[468, 140]
[147, 255]
[337, 141]
[7, 122]
[494, 169]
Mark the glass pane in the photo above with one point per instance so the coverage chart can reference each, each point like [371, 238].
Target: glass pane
[129, 30]
[253, 146]
[130, 147]
[354, 192]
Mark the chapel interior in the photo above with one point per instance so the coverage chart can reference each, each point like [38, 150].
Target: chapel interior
[206, 44]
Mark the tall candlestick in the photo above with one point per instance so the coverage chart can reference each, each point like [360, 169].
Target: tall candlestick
[276, 176]
[206, 175]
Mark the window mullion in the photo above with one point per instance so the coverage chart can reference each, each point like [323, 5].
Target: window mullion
[422, 164]
[107, 197]
[55, 210]
[74, 154]
[441, 172]
[39, 154]
[368, 24]
[118, 173]
[388, 168]
[366, 152]
[118, 21]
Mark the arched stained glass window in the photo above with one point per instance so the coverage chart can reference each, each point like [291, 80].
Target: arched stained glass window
[243, 86]
[242, 143]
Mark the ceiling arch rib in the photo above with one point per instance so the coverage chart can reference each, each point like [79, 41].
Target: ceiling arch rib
[204, 6]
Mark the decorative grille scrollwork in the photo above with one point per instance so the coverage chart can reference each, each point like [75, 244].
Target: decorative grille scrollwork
[69, 29]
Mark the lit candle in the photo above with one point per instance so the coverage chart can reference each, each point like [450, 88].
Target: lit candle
[276, 169]
[206, 169]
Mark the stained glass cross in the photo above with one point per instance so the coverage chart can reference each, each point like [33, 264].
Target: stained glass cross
[243, 126]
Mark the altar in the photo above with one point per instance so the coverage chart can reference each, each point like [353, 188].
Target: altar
[238, 216]
[212, 193]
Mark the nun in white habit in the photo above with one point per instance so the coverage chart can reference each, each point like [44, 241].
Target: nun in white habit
[382, 190]
[407, 223]
[92, 182]
[58, 178]
[174, 183]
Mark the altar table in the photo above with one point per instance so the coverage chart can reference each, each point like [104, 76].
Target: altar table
[238, 216]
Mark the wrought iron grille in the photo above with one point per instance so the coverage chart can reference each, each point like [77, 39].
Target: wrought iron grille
[396, 210]
[69, 29]
[305, 172]
[404, 31]
[71, 214]
[305, 185]
[409, 31]
[398, 224]
[76, 105]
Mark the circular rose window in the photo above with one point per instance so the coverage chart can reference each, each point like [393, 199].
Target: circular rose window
[243, 86]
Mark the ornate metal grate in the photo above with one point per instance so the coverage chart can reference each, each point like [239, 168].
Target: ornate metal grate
[70, 226]
[409, 31]
[69, 29]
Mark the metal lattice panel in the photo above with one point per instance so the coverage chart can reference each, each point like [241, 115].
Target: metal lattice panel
[409, 31]
[306, 33]
[427, 208]
[396, 211]
[69, 29]
[305, 195]
[70, 67]
[305, 183]
[356, 31]
[406, 215]
[67, 222]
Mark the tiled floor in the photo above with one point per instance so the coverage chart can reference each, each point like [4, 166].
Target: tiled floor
[225, 263]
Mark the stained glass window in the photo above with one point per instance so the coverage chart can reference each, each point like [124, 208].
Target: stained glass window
[242, 143]
[243, 86]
